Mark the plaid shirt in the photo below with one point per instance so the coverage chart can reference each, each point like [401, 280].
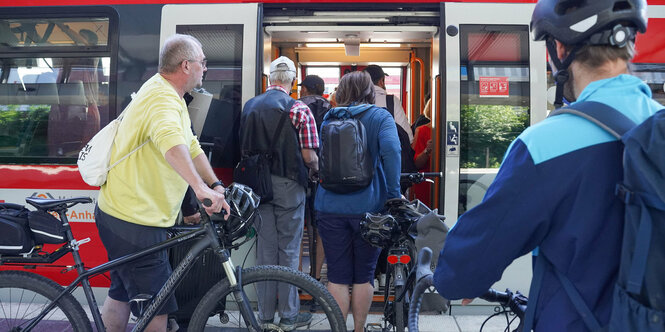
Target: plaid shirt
[303, 120]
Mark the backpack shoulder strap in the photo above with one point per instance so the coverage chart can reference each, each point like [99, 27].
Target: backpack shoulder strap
[604, 116]
[390, 104]
[542, 264]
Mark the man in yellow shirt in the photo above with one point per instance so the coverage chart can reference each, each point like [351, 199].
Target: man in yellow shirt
[142, 194]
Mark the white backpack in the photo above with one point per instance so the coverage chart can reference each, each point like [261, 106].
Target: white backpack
[95, 157]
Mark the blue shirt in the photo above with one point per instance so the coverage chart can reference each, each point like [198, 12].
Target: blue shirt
[554, 191]
[383, 146]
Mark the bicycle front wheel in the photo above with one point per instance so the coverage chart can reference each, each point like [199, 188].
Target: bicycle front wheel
[218, 310]
[23, 296]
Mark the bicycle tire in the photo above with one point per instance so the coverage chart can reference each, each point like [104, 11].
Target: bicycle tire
[398, 305]
[68, 312]
[305, 284]
[416, 301]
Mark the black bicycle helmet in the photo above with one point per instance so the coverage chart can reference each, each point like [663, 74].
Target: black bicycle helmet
[596, 22]
[585, 22]
[379, 230]
[243, 203]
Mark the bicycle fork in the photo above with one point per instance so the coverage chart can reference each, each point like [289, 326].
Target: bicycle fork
[234, 276]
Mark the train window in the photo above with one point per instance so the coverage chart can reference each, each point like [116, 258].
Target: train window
[393, 80]
[494, 102]
[54, 32]
[223, 47]
[51, 107]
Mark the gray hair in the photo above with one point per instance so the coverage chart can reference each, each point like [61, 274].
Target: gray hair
[355, 87]
[177, 49]
[282, 77]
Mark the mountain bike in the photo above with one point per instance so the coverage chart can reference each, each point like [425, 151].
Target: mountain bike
[32, 302]
[395, 232]
[512, 305]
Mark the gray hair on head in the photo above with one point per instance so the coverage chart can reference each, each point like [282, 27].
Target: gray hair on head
[177, 49]
[282, 77]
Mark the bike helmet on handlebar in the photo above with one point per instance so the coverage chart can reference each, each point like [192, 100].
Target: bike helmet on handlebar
[243, 203]
[577, 23]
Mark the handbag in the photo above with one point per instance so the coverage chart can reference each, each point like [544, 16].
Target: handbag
[254, 170]
[95, 157]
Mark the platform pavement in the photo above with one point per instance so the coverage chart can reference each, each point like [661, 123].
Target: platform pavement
[427, 322]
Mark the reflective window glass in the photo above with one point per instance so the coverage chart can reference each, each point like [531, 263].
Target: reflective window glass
[218, 129]
[51, 107]
[494, 101]
[54, 32]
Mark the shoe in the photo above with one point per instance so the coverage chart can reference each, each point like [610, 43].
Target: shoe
[290, 324]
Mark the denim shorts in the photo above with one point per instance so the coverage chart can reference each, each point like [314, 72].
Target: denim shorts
[351, 260]
[142, 276]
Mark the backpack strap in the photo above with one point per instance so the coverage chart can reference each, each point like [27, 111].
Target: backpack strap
[542, 264]
[280, 124]
[604, 116]
[390, 104]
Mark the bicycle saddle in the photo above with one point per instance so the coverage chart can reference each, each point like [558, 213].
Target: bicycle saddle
[55, 204]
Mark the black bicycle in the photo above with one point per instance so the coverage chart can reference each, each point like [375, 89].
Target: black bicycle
[33, 302]
[511, 305]
[395, 231]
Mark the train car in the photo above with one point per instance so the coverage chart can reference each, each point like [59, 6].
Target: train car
[67, 68]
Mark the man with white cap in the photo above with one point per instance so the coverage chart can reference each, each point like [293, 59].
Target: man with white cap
[291, 145]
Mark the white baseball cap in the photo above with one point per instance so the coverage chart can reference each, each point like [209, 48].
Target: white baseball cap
[282, 64]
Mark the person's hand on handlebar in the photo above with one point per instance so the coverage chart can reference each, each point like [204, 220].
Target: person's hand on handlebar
[216, 196]
[467, 301]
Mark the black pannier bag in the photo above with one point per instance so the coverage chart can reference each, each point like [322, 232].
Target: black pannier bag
[15, 236]
[46, 228]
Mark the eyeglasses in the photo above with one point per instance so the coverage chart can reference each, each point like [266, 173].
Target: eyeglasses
[202, 62]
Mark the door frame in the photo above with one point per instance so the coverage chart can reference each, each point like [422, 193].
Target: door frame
[454, 15]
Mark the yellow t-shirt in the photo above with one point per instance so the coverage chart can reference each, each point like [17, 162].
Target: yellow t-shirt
[144, 189]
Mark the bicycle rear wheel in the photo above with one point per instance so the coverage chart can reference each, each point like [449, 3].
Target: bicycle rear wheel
[23, 295]
[313, 297]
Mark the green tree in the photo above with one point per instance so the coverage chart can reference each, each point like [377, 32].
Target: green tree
[487, 131]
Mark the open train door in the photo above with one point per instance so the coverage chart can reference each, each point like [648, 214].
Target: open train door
[230, 39]
[494, 86]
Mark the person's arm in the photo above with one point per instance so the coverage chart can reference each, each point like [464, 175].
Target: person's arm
[511, 221]
[311, 159]
[389, 152]
[423, 158]
[401, 119]
[178, 157]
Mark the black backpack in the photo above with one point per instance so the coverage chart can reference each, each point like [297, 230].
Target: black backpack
[639, 295]
[319, 107]
[408, 155]
[345, 164]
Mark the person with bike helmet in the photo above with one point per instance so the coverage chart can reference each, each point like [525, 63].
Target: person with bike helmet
[555, 189]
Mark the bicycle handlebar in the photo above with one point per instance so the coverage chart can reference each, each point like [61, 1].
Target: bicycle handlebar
[419, 177]
[424, 263]
[517, 302]
[425, 174]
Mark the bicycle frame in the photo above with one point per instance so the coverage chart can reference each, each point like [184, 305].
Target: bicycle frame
[205, 236]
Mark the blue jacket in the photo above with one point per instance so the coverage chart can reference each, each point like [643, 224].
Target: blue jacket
[383, 146]
[554, 191]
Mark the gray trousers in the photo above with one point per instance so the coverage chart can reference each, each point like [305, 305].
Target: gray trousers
[280, 231]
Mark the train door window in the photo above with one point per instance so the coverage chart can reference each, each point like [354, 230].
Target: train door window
[223, 47]
[494, 102]
[393, 80]
[54, 86]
